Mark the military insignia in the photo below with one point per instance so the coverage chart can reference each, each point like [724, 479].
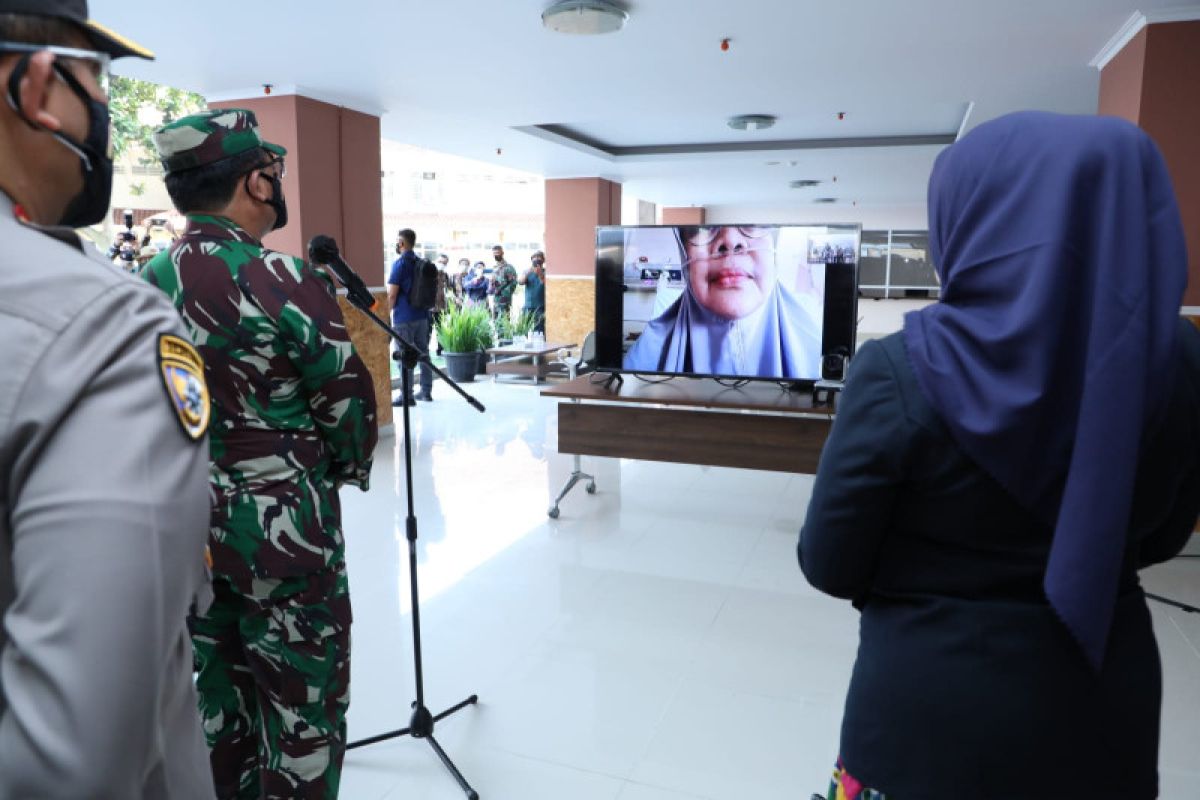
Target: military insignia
[183, 376]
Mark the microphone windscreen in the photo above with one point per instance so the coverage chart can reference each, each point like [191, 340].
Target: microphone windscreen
[322, 249]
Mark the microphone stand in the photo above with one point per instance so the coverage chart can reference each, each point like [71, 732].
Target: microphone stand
[1169, 602]
[421, 724]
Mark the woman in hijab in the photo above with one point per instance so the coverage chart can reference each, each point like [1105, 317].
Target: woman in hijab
[1000, 470]
[734, 317]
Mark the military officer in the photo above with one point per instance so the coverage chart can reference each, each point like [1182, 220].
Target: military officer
[104, 502]
[293, 419]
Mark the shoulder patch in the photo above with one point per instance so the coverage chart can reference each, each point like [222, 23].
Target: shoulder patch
[183, 377]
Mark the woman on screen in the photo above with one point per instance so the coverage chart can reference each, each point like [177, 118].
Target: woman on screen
[734, 317]
[1001, 469]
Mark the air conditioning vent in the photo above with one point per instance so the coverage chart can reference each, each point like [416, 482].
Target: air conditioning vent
[751, 122]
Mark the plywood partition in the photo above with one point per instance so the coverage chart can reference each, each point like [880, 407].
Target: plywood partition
[574, 208]
[374, 348]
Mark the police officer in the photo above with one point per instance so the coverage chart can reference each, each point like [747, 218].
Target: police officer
[293, 419]
[104, 502]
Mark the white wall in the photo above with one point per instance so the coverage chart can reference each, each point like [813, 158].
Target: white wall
[908, 217]
[878, 318]
[635, 211]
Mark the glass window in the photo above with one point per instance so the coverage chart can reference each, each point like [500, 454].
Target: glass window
[872, 258]
[911, 265]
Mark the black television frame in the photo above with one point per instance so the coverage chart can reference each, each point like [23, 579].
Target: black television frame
[839, 324]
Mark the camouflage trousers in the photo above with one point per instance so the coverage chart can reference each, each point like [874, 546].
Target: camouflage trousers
[274, 685]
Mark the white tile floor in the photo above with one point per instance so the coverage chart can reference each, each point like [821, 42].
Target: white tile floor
[656, 642]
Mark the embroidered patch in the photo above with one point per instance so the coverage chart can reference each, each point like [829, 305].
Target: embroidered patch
[183, 376]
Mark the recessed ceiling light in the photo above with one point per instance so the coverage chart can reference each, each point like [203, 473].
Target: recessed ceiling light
[804, 183]
[584, 16]
[751, 122]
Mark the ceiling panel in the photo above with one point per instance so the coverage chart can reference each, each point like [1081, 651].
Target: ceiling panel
[462, 75]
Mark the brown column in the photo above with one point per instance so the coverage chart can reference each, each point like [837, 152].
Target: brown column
[683, 216]
[1155, 82]
[333, 187]
[574, 207]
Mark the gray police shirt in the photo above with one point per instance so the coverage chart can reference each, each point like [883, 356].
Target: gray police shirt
[104, 515]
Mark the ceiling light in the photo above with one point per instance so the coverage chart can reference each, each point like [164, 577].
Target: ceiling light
[751, 122]
[804, 183]
[584, 16]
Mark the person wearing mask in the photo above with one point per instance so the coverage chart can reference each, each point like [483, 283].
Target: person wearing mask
[124, 239]
[412, 323]
[534, 281]
[459, 279]
[293, 410]
[445, 283]
[503, 285]
[104, 413]
[476, 285]
[1000, 470]
[443, 290]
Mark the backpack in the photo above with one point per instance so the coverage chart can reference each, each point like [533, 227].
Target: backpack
[422, 292]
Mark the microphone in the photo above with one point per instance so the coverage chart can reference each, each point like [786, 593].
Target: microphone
[324, 250]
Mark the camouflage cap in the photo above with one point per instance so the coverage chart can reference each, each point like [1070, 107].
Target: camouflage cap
[210, 136]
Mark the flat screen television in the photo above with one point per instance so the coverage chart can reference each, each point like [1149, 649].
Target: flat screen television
[760, 302]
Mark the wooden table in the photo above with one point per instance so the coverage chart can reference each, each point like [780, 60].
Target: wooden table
[692, 421]
[511, 359]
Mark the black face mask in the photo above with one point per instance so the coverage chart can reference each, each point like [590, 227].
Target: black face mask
[278, 203]
[277, 200]
[90, 206]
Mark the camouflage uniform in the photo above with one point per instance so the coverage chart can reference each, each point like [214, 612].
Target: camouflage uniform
[293, 418]
[506, 285]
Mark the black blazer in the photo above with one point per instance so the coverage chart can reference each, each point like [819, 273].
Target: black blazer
[966, 684]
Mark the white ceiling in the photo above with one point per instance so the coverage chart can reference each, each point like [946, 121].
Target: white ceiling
[461, 75]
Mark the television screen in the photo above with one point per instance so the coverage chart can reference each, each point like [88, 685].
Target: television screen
[775, 302]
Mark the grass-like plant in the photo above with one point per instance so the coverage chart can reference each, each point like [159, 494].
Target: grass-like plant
[504, 325]
[464, 329]
[526, 322]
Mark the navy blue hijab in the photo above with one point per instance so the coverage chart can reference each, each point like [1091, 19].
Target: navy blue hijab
[1062, 260]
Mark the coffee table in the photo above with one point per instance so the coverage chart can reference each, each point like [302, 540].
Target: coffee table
[524, 361]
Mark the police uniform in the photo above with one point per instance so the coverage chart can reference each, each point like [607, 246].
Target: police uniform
[104, 508]
[293, 419]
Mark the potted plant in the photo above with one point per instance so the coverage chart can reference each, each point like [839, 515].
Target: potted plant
[463, 332]
[504, 328]
[525, 324]
[486, 340]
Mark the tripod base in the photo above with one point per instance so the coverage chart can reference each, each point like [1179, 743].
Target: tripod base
[577, 475]
[421, 726]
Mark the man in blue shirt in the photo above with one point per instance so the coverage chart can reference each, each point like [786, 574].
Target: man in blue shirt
[534, 282]
[411, 323]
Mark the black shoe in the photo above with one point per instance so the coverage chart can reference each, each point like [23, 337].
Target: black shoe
[399, 401]
[426, 396]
